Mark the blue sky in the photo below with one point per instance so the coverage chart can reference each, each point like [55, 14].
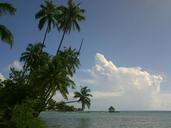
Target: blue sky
[129, 33]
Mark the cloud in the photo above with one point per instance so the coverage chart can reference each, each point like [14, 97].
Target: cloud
[129, 88]
[16, 64]
[2, 77]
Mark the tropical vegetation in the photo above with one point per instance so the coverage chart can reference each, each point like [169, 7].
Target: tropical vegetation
[69, 18]
[47, 15]
[28, 92]
[5, 33]
[63, 18]
[83, 97]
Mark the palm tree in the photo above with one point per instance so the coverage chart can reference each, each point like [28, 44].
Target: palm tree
[56, 76]
[47, 15]
[5, 34]
[33, 58]
[84, 97]
[69, 18]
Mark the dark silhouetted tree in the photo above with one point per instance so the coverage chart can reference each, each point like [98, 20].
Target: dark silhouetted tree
[5, 34]
[47, 15]
[69, 19]
[84, 97]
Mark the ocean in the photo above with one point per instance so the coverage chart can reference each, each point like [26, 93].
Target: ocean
[122, 119]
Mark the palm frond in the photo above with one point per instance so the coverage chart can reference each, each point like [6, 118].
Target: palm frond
[39, 14]
[42, 22]
[6, 8]
[6, 35]
[84, 97]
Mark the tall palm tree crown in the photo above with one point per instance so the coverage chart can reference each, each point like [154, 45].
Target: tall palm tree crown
[48, 14]
[57, 74]
[69, 18]
[84, 97]
[33, 58]
[5, 34]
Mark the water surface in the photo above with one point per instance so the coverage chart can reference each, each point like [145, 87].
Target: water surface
[107, 120]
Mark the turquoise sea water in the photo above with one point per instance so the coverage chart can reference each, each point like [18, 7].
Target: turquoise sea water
[107, 120]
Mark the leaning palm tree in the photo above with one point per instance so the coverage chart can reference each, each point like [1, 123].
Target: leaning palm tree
[84, 97]
[47, 15]
[56, 76]
[5, 34]
[69, 18]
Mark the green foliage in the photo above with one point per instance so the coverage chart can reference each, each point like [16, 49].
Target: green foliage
[84, 97]
[33, 57]
[57, 74]
[29, 91]
[42, 76]
[6, 8]
[23, 117]
[15, 89]
[69, 16]
[5, 34]
[59, 106]
[48, 14]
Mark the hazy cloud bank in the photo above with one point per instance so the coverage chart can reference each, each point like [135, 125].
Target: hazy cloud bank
[128, 88]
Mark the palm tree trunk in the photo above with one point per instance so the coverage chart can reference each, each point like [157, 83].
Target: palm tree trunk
[61, 41]
[48, 100]
[82, 108]
[45, 35]
[50, 96]
[71, 101]
[80, 46]
[65, 30]
[47, 93]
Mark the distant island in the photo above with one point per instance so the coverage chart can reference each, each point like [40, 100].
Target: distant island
[111, 109]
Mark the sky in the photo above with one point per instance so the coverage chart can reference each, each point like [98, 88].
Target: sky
[125, 59]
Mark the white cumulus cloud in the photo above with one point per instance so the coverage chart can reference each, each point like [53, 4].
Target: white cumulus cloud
[2, 77]
[128, 88]
[16, 64]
